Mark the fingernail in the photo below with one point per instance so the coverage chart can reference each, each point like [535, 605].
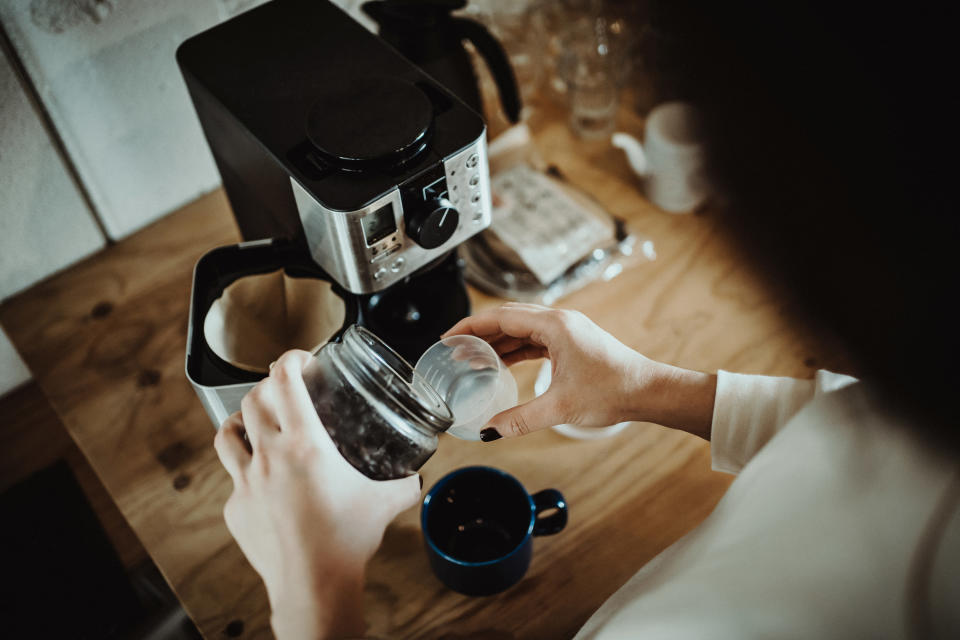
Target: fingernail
[489, 435]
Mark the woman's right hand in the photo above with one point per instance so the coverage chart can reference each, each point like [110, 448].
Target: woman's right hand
[595, 376]
[597, 380]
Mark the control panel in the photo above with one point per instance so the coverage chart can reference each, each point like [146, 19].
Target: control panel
[424, 217]
[469, 187]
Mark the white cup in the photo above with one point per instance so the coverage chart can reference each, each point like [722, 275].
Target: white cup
[472, 379]
[670, 161]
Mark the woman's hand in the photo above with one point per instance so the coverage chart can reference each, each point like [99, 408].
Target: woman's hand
[597, 380]
[307, 521]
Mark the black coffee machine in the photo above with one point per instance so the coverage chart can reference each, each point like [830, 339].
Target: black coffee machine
[345, 165]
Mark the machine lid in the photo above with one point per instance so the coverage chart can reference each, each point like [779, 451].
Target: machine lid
[370, 122]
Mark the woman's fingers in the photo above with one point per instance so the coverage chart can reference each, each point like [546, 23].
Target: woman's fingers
[232, 447]
[295, 408]
[540, 413]
[525, 321]
[530, 352]
[258, 414]
[506, 344]
[482, 325]
[516, 331]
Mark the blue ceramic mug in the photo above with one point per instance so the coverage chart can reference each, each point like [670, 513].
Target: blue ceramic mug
[478, 525]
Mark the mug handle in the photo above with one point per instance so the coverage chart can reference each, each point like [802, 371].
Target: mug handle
[554, 523]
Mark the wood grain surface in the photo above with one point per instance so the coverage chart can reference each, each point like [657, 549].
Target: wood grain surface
[106, 343]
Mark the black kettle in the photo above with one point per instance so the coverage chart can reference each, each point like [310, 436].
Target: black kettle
[431, 38]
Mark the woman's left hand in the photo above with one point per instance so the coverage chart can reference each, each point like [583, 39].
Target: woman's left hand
[305, 518]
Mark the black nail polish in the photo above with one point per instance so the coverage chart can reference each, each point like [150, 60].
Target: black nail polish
[490, 434]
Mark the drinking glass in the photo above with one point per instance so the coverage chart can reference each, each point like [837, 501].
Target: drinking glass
[593, 68]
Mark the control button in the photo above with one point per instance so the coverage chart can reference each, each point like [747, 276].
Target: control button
[472, 161]
[397, 264]
[477, 218]
[435, 224]
[385, 253]
[474, 180]
[475, 198]
[380, 274]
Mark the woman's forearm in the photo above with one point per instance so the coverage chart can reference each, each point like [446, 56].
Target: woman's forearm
[330, 607]
[677, 398]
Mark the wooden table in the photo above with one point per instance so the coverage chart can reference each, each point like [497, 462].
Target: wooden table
[106, 341]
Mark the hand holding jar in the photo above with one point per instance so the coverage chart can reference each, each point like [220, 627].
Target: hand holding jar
[307, 541]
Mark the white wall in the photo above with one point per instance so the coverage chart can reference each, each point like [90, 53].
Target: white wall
[44, 223]
[107, 75]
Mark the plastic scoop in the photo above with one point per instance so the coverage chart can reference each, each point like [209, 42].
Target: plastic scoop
[472, 379]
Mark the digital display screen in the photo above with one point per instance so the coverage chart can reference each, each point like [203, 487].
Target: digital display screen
[378, 225]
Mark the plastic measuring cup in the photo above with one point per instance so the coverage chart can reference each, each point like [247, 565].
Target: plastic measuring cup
[472, 379]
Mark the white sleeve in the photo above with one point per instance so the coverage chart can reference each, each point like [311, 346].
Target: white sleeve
[749, 410]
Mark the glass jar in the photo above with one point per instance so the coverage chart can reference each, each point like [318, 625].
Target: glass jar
[383, 417]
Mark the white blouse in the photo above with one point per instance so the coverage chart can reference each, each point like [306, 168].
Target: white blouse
[841, 524]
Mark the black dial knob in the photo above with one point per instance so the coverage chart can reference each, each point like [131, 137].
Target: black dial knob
[434, 224]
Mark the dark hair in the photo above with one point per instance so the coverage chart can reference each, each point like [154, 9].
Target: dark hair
[832, 134]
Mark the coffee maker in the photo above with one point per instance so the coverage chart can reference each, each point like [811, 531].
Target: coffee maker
[347, 167]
